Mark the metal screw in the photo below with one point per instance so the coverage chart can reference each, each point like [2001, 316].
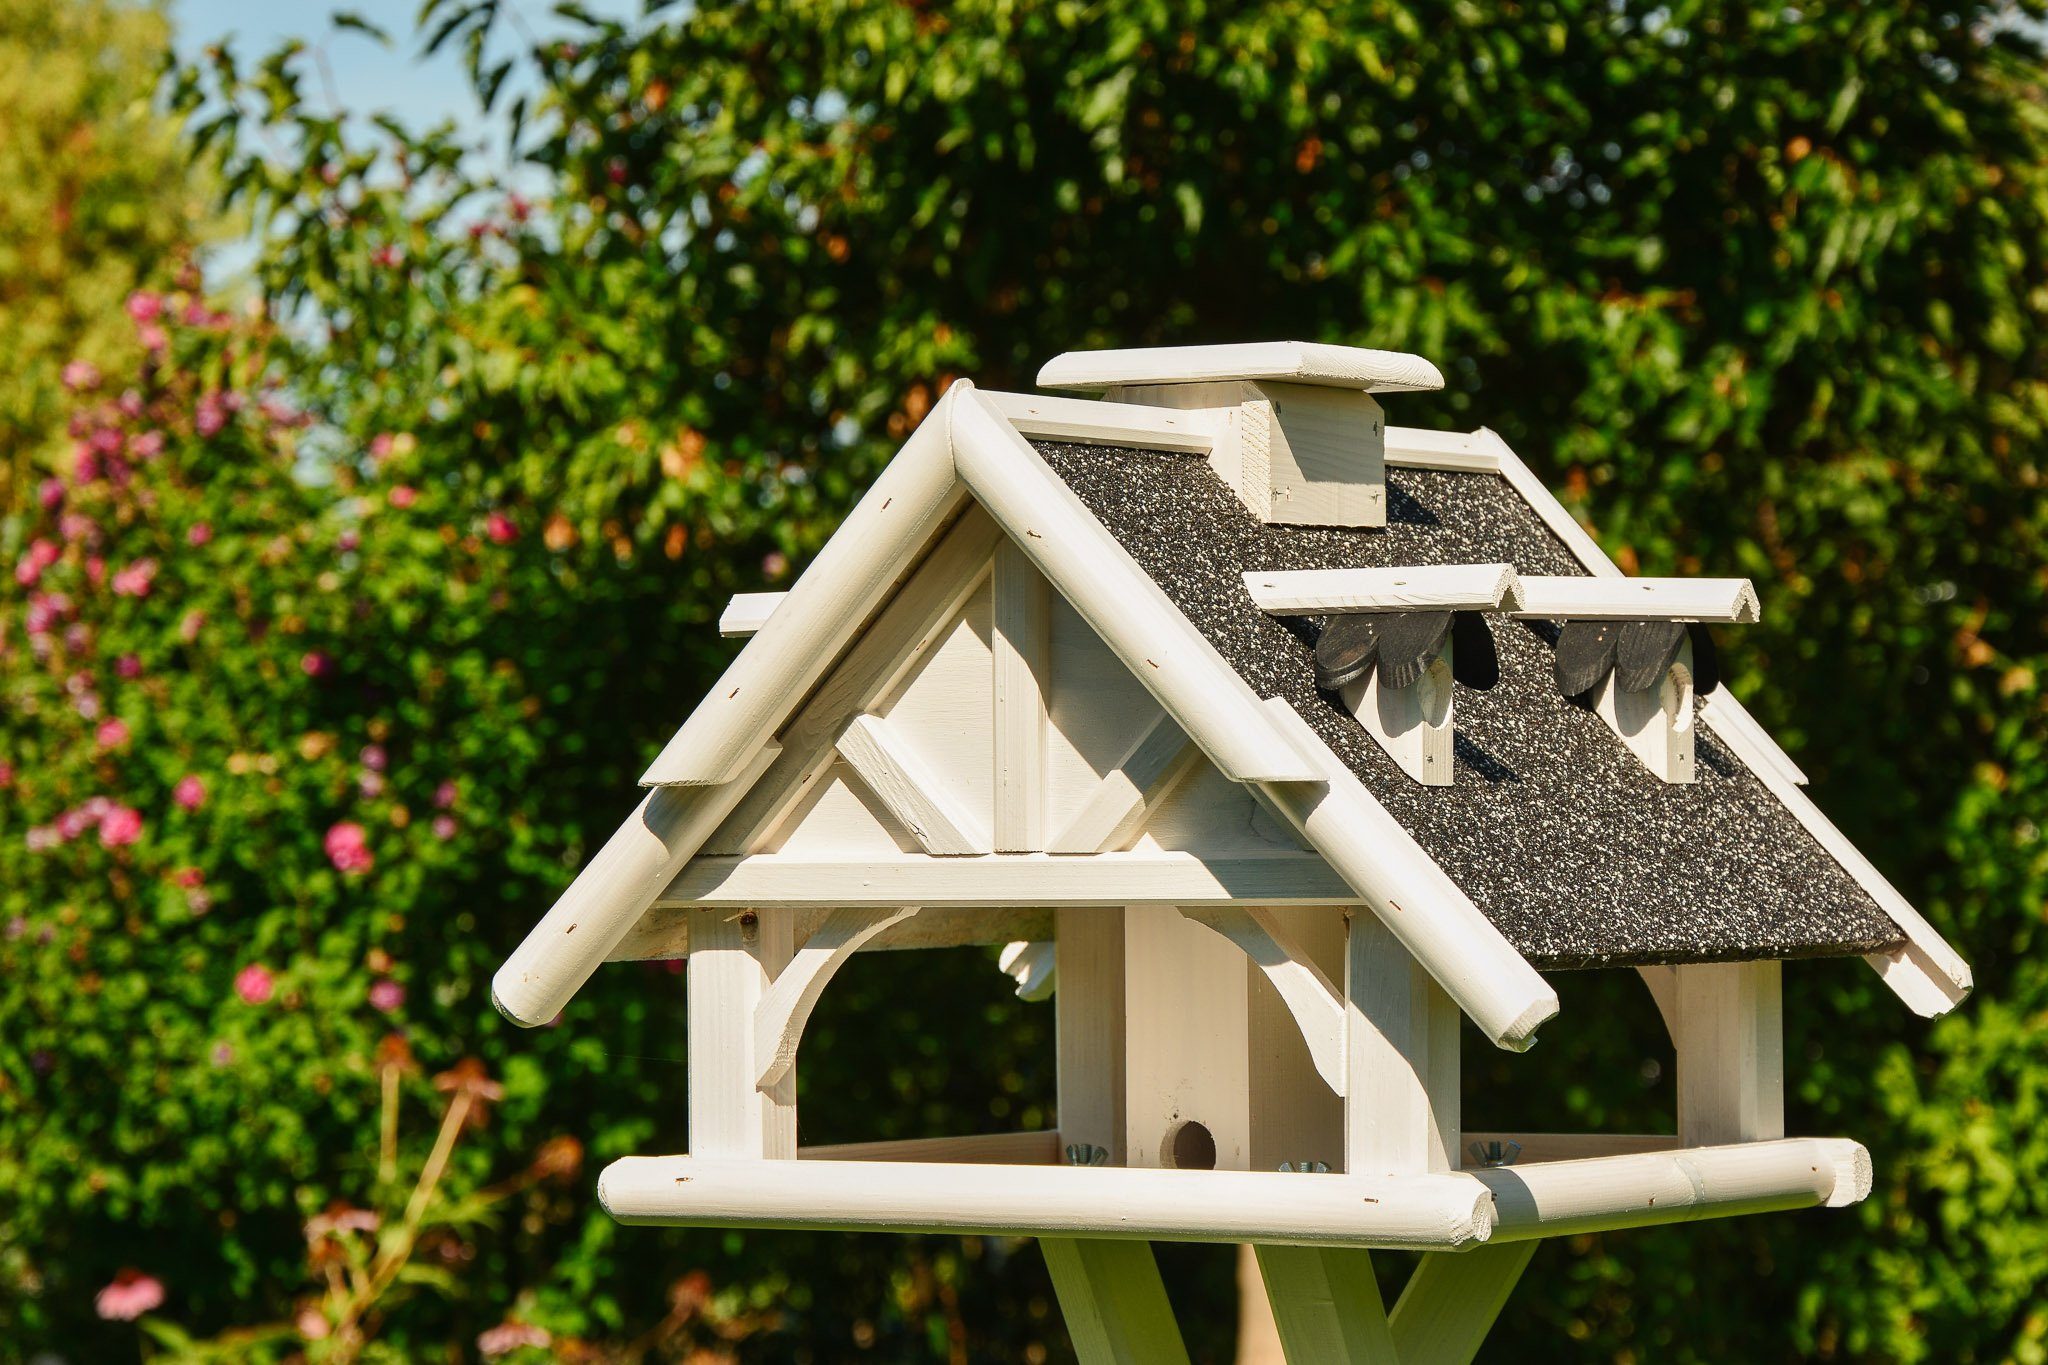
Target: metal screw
[1307, 1167]
[1495, 1153]
[1086, 1154]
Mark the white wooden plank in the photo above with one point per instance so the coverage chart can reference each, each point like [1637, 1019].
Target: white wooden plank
[1131, 613]
[1187, 1078]
[1437, 587]
[1294, 362]
[1431, 1212]
[909, 789]
[1531, 1149]
[611, 893]
[1739, 730]
[1656, 723]
[1414, 897]
[1585, 598]
[1401, 1052]
[1296, 1118]
[1316, 1006]
[664, 931]
[839, 816]
[737, 955]
[1456, 451]
[1114, 1302]
[1730, 1050]
[1040, 1148]
[1089, 1030]
[1022, 642]
[747, 612]
[1007, 879]
[1451, 1302]
[786, 1006]
[1201, 811]
[917, 620]
[1116, 812]
[1327, 1305]
[1091, 421]
[1662, 983]
[914, 497]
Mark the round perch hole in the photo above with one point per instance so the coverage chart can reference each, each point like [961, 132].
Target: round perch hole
[1190, 1147]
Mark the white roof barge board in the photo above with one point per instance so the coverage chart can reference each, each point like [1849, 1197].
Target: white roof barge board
[1722, 601]
[1283, 362]
[1335, 592]
[1444, 1212]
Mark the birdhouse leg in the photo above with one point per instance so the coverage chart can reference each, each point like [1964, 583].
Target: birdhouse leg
[734, 957]
[1451, 1301]
[1114, 1302]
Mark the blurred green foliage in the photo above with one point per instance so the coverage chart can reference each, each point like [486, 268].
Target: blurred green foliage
[1758, 288]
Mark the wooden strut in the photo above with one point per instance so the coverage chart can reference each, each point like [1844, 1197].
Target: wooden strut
[787, 1004]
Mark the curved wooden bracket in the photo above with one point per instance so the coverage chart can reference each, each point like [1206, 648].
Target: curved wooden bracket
[787, 1004]
[1317, 1006]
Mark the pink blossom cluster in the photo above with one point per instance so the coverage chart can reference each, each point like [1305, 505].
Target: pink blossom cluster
[348, 848]
[131, 1294]
[117, 825]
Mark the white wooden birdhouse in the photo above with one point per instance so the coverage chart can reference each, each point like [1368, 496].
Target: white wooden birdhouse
[1273, 739]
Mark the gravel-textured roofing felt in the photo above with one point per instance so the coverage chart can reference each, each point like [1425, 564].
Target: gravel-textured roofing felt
[1551, 825]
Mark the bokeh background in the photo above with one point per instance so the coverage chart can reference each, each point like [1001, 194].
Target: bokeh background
[392, 399]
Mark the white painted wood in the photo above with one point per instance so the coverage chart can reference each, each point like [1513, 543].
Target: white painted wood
[1451, 1301]
[1258, 1336]
[1657, 723]
[737, 955]
[1414, 724]
[786, 1006]
[1327, 1305]
[1739, 730]
[1433, 587]
[1089, 1029]
[1316, 1006]
[989, 1149]
[1296, 1117]
[1099, 711]
[610, 894]
[1729, 601]
[1022, 642]
[1540, 1147]
[1032, 964]
[1186, 1056]
[840, 817]
[1203, 812]
[1419, 1213]
[1457, 451]
[748, 612]
[1401, 1052]
[1415, 898]
[915, 496]
[1564, 1198]
[1007, 879]
[664, 932]
[1297, 362]
[919, 619]
[1091, 421]
[1562, 523]
[1131, 613]
[1116, 812]
[1663, 986]
[909, 789]
[1730, 1049]
[1114, 1302]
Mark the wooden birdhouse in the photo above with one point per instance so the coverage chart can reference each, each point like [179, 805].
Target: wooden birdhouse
[1272, 740]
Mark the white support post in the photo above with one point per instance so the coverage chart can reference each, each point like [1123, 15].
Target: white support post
[1022, 646]
[1114, 1302]
[1187, 1078]
[1401, 1103]
[734, 957]
[1451, 1302]
[1731, 1059]
[1088, 1011]
[1327, 1305]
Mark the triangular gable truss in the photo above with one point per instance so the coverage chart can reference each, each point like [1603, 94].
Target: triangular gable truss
[969, 491]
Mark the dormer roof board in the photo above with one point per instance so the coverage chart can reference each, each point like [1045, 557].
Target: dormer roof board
[1576, 853]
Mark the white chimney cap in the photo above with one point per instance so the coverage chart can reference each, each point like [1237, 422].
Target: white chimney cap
[1289, 362]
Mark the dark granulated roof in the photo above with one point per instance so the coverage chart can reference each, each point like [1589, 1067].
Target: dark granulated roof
[1551, 825]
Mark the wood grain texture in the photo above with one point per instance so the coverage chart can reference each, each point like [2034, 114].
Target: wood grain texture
[1730, 1050]
[1089, 421]
[1316, 1006]
[1451, 1302]
[1114, 1302]
[992, 1149]
[747, 612]
[738, 954]
[1297, 362]
[1186, 1056]
[1415, 724]
[1728, 601]
[1656, 724]
[1022, 643]
[1401, 1052]
[1327, 1305]
[1116, 811]
[910, 791]
[786, 1006]
[1439, 587]
[1089, 1029]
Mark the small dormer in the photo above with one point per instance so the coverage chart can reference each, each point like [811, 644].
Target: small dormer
[1300, 438]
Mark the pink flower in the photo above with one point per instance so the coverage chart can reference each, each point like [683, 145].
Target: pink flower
[147, 446]
[40, 556]
[444, 796]
[199, 534]
[500, 529]
[190, 625]
[386, 994]
[112, 734]
[51, 494]
[402, 496]
[223, 1053]
[774, 564]
[189, 877]
[373, 757]
[81, 375]
[120, 826]
[107, 441]
[6, 775]
[190, 792]
[444, 827]
[508, 1337]
[316, 663]
[388, 257]
[128, 666]
[348, 541]
[45, 610]
[152, 336]
[348, 848]
[134, 580]
[210, 415]
[144, 306]
[380, 446]
[255, 984]
[130, 1296]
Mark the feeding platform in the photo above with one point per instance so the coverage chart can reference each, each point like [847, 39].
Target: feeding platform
[1274, 742]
